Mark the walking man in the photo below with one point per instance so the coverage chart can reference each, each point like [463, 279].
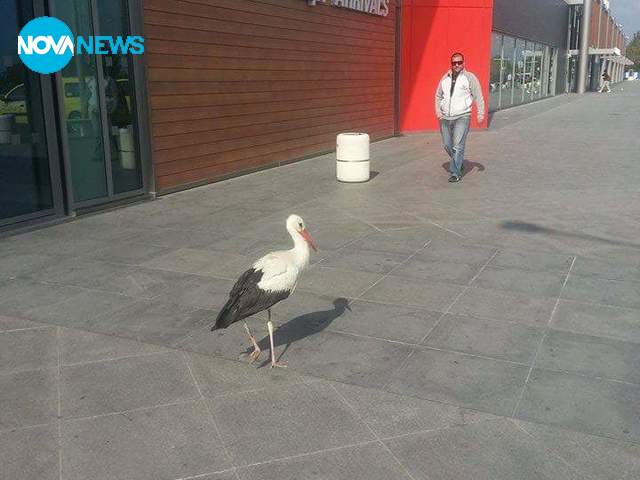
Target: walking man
[455, 95]
[606, 81]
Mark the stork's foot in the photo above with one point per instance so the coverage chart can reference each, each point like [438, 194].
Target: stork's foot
[278, 364]
[255, 355]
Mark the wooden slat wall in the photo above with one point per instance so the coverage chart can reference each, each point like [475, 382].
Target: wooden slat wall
[237, 85]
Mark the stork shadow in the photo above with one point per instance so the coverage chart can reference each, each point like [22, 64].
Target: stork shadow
[301, 327]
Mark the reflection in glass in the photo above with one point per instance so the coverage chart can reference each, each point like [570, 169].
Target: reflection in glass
[508, 67]
[81, 108]
[25, 180]
[520, 79]
[120, 100]
[537, 72]
[495, 82]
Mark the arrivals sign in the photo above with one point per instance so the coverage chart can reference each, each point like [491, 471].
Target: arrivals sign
[374, 7]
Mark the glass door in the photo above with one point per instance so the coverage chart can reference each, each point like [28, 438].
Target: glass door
[29, 174]
[98, 108]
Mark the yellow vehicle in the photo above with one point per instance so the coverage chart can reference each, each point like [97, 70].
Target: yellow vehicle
[14, 100]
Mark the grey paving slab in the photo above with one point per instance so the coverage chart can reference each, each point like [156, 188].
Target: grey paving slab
[595, 457]
[284, 422]
[456, 252]
[490, 450]
[198, 291]
[156, 321]
[598, 320]
[504, 305]
[404, 291]
[391, 322]
[30, 454]
[125, 384]
[28, 398]
[17, 264]
[353, 258]
[128, 253]
[332, 281]
[389, 414]
[535, 261]
[599, 290]
[230, 475]
[592, 356]
[28, 349]
[232, 342]
[315, 309]
[405, 242]
[217, 376]
[471, 382]
[435, 271]
[612, 269]
[15, 323]
[19, 296]
[366, 462]
[491, 338]
[337, 356]
[77, 346]
[118, 278]
[155, 444]
[595, 406]
[546, 284]
[82, 310]
[202, 262]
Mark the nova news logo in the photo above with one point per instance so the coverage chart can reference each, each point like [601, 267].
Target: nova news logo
[46, 45]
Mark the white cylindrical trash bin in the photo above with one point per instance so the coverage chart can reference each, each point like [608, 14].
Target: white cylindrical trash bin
[126, 148]
[352, 157]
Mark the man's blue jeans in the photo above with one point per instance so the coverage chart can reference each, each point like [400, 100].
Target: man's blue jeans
[454, 135]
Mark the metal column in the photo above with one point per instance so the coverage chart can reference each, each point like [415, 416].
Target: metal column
[583, 64]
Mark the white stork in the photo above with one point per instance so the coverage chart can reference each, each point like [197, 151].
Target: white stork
[270, 280]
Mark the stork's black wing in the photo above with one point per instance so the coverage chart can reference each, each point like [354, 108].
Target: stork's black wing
[246, 299]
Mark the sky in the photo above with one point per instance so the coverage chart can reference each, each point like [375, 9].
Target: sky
[627, 13]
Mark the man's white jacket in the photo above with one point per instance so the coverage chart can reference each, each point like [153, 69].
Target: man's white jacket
[466, 90]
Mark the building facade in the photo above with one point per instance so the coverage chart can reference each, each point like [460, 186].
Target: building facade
[227, 87]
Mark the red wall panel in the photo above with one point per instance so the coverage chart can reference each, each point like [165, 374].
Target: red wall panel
[431, 31]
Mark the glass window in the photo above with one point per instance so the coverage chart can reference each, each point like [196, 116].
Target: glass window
[520, 80]
[536, 72]
[25, 179]
[495, 80]
[551, 73]
[81, 108]
[120, 101]
[508, 71]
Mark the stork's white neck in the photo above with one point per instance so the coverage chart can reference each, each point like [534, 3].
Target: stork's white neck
[300, 250]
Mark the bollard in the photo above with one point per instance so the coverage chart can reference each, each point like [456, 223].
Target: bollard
[352, 157]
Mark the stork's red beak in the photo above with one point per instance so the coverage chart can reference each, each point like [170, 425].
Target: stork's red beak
[307, 237]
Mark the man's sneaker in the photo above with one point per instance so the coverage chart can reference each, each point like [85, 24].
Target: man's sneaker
[454, 179]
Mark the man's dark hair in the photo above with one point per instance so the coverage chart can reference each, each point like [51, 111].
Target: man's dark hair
[457, 54]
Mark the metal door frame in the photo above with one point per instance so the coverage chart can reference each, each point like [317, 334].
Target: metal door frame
[51, 138]
[143, 150]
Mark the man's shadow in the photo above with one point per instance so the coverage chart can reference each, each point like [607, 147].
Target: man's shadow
[302, 326]
[469, 167]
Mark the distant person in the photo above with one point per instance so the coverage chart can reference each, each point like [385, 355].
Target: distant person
[606, 82]
[455, 95]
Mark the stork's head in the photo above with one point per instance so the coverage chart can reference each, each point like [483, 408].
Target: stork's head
[296, 227]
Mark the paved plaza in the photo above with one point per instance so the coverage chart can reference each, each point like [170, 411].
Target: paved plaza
[486, 330]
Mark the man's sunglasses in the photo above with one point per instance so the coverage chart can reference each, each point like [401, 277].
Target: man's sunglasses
[460, 62]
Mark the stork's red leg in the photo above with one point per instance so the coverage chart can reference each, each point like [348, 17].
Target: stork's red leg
[256, 349]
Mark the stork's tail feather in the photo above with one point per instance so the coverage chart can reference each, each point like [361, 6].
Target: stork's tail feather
[226, 316]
